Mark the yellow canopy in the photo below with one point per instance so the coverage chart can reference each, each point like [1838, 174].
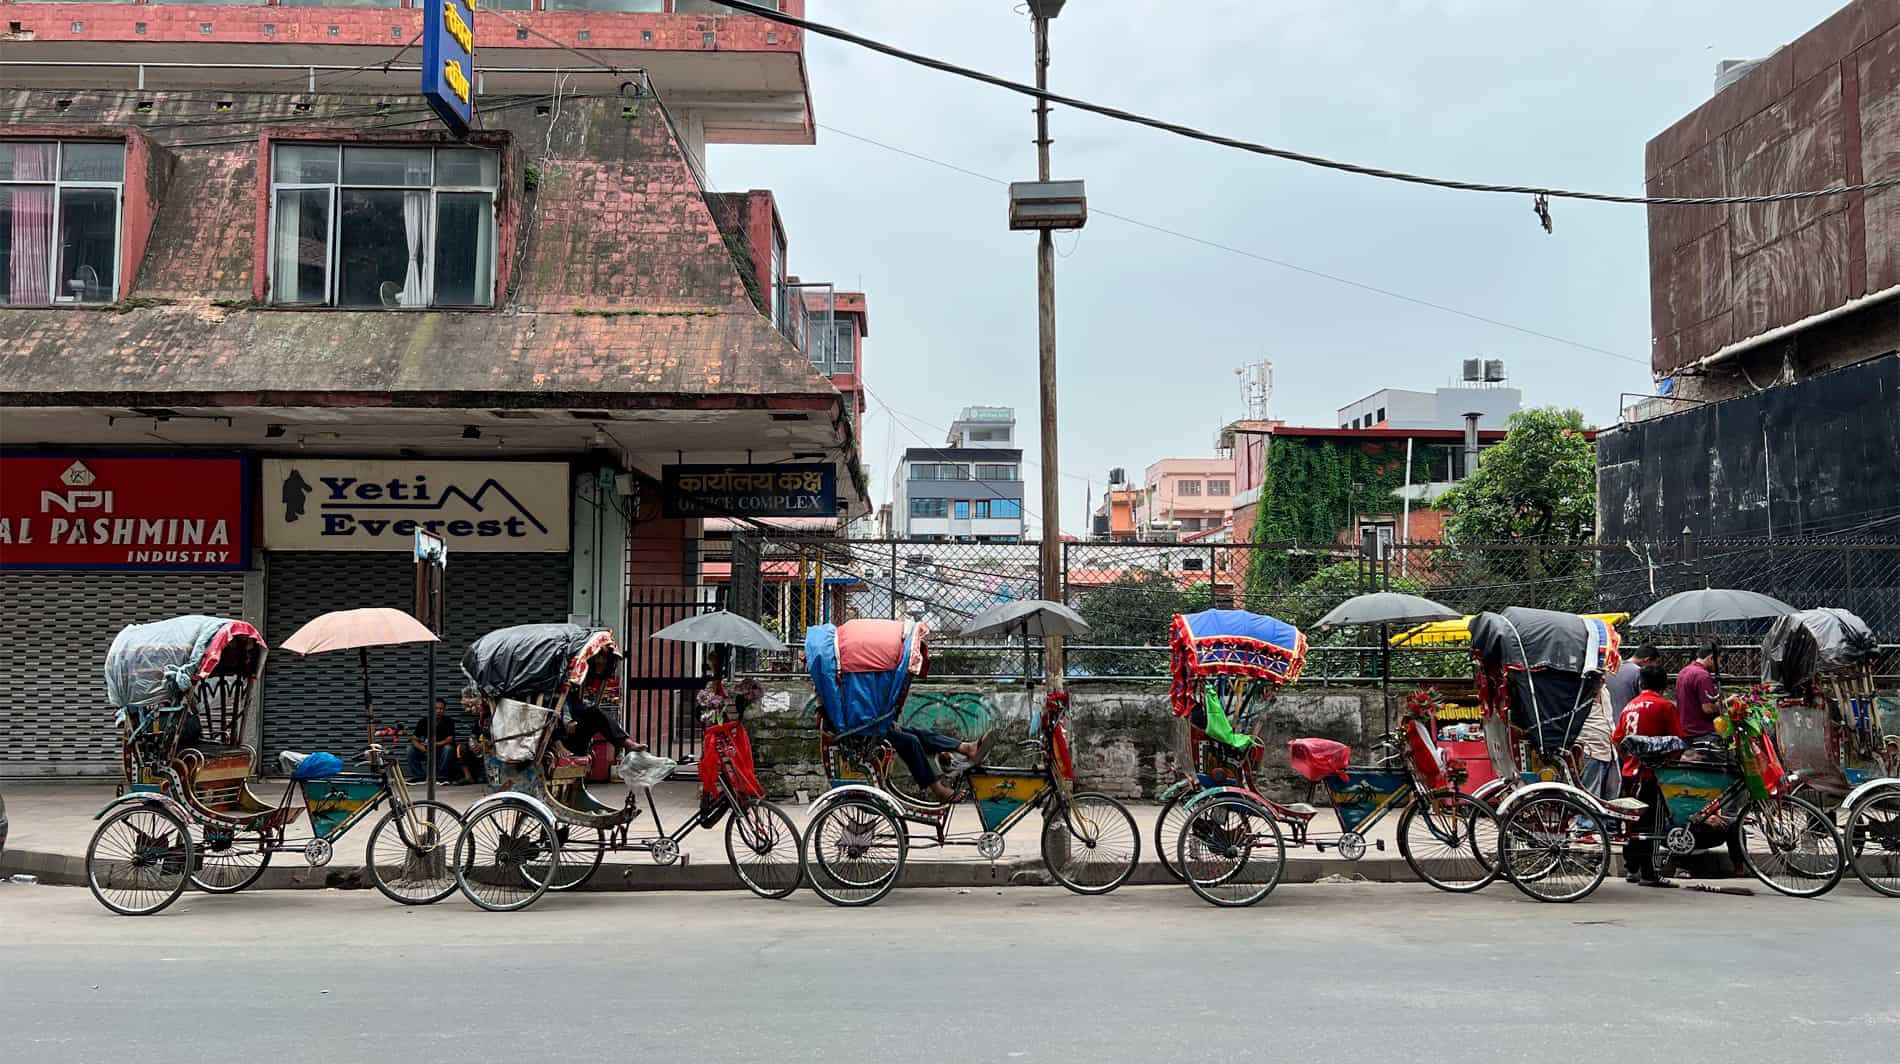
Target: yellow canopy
[1440, 633]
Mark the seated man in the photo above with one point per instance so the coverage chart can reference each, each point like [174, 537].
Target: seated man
[472, 753]
[434, 732]
[1650, 714]
[917, 749]
[584, 720]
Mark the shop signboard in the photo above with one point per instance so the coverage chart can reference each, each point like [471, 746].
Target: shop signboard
[134, 512]
[350, 504]
[740, 490]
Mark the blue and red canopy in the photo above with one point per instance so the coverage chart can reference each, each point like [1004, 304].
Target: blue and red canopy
[1232, 643]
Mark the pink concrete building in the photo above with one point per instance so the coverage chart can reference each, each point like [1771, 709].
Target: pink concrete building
[1187, 494]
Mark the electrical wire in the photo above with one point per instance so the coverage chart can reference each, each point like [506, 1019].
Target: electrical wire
[1304, 158]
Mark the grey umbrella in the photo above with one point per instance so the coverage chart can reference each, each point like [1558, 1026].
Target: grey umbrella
[1713, 605]
[721, 627]
[1030, 619]
[1385, 609]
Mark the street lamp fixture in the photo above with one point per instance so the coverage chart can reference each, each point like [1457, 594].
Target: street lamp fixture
[1047, 205]
[1046, 8]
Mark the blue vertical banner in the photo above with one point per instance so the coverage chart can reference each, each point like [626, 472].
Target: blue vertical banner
[448, 61]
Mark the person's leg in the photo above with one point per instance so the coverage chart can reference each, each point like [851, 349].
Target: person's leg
[910, 750]
[412, 769]
[445, 764]
[591, 720]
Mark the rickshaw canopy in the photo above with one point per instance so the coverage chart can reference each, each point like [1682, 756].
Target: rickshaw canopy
[1547, 666]
[534, 659]
[1231, 643]
[1445, 633]
[861, 668]
[1805, 644]
[156, 665]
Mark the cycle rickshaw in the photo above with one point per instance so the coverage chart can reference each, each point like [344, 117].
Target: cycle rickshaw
[183, 689]
[1231, 843]
[860, 832]
[543, 829]
[1538, 672]
[1837, 750]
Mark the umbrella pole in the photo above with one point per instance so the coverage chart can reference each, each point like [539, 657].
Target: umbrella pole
[1027, 658]
[1385, 674]
[369, 717]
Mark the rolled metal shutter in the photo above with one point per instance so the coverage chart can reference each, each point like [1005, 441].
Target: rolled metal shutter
[55, 628]
[316, 703]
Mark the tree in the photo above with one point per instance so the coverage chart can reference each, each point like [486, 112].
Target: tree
[1134, 610]
[1540, 483]
[1314, 597]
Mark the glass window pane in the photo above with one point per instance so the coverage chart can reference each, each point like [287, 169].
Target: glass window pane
[26, 242]
[88, 244]
[92, 161]
[379, 247]
[464, 248]
[843, 353]
[608, 5]
[386, 166]
[300, 246]
[304, 164]
[26, 161]
[466, 166]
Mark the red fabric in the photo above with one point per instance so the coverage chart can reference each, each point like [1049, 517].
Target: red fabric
[1647, 714]
[870, 645]
[1427, 760]
[727, 748]
[1317, 759]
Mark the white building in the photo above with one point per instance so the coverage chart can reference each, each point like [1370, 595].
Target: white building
[970, 489]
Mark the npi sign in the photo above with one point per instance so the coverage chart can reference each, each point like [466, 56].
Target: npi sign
[448, 61]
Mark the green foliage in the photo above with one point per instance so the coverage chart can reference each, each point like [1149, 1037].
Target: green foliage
[1313, 487]
[1540, 483]
[1134, 610]
[1311, 599]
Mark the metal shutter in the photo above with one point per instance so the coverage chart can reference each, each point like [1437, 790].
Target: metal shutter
[55, 628]
[316, 703]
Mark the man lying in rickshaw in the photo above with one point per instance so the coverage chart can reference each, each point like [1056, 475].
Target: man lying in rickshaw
[923, 752]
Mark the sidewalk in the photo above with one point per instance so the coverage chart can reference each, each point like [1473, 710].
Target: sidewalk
[52, 823]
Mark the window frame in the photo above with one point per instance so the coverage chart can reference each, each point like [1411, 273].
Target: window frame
[54, 244]
[960, 510]
[1226, 486]
[930, 503]
[1013, 471]
[333, 235]
[1181, 488]
[844, 346]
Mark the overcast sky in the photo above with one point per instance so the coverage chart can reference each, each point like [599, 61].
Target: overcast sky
[1150, 327]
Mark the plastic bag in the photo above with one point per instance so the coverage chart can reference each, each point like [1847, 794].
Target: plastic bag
[516, 727]
[640, 769]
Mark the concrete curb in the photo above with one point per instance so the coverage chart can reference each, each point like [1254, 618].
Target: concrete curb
[66, 870]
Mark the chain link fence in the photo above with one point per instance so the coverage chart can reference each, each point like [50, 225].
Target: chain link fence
[1129, 593]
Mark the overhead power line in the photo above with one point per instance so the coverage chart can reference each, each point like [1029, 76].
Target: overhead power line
[1176, 128]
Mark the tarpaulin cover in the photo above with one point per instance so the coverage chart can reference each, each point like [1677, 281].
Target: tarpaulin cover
[1317, 759]
[860, 703]
[154, 665]
[1802, 645]
[1547, 665]
[1231, 643]
[533, 659]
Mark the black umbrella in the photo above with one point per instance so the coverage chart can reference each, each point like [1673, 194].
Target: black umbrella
[721, 627]
[1385, 609]
[1714, 605]
[1029, 618]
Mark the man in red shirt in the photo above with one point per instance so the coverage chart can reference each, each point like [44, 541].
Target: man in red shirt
[1696, 697]
[1648, 714]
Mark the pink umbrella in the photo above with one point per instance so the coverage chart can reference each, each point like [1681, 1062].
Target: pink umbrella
[358, 630]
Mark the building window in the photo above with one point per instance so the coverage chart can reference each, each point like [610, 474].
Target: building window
[1355, 423]
[986, 471]
[962, 510]
[930, 507]
[382, 227]
[939, 471]
[1380, 420]
[781, 295]
[989, 435]
[59, 221]
[998, 508]
[1220, 488]
[845, 350]
[1188, 489]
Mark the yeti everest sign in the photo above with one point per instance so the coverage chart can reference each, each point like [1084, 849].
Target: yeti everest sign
[328, 504]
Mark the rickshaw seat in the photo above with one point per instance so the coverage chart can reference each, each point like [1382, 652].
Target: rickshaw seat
[1628, 807]
[566, 768]
[1318, 759]
[1301, 810]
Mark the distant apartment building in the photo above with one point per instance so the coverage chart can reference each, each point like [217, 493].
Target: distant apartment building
[968, 490]
[1114, 519]
[1482, 392]
[1186, 495]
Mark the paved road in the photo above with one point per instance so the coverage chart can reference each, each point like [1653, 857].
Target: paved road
[1325, 972]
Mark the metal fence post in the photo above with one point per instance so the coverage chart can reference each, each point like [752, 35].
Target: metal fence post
[897, 612]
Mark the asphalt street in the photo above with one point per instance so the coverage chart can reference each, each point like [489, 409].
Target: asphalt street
[1321, 972]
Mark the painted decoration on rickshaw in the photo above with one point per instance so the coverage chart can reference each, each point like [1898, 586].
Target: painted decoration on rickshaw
[1231, 643]
[1687, 790]
[1364, 792]
[999, 795]
[334, 801]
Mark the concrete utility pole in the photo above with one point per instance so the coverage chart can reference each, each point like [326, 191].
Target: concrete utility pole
[1053, 670]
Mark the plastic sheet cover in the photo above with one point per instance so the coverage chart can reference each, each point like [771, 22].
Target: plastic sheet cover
[524, 661]
[153, 665]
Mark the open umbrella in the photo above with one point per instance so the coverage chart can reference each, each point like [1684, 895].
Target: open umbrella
[722, 627]
[1712, 605]
[358, 630]
[1385, 609]
[1029, 618]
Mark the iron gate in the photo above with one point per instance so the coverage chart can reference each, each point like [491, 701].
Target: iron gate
[663, 677]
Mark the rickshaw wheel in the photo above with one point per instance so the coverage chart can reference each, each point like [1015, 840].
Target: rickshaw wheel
[1546, 852]
[227, 861]
[583, 848]
[854, 852]
[1167, 830]
[507, 854]
[757, 841]
[1231, 851]
[1873, 838]
[1791, 846]
[1092, 845]
[139, 860]
[1447, 837]
[411, 870]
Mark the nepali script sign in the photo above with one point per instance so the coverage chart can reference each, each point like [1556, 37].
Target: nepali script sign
[448, 61]
[750, 490]
[74, 511]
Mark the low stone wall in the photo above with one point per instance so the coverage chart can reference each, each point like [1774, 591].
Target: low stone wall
[1128, 742]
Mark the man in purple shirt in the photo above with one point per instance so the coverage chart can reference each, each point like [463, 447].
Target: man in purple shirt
[1696, 699]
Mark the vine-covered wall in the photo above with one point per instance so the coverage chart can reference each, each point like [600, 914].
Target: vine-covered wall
[1314, 486]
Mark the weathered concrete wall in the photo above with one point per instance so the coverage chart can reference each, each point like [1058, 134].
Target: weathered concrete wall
[1128, 743]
